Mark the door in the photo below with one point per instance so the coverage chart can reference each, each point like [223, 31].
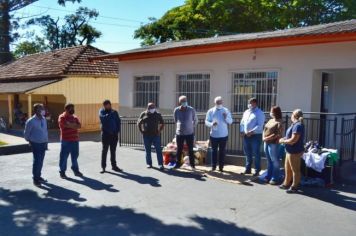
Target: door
[325, 102]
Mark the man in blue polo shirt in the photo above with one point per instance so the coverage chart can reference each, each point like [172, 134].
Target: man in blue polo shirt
[36, 134]
[251, 128]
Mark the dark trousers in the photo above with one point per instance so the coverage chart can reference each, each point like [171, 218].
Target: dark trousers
[109, 140]
[189, 139]
[38, 150]
[218, 143]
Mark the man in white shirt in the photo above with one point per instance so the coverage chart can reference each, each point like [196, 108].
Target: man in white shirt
[217, 119]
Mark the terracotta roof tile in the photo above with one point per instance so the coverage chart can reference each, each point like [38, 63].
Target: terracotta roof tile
[59, 63]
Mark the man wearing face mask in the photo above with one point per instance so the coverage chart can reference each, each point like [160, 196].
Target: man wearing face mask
[110, 129]
[185, 119]
[36, 134]
[69, 125]
[251, 128]
[150, 124]
[218, 118]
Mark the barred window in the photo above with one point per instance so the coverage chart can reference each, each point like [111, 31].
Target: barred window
[197, 89]
[146, 90]
[261, 85]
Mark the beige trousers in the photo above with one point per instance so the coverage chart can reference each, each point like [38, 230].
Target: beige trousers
[292, 169]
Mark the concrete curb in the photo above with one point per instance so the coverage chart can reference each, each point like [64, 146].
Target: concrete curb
[14, 149]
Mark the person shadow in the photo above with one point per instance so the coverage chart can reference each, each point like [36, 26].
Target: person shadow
[93, 184]
[182, 173]
[137, 178]
[60, 193]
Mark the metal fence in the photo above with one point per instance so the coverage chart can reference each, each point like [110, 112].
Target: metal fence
[331, 130]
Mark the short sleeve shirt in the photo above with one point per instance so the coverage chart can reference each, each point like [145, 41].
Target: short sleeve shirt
[150, 122]
[68, 134]
[298, 147]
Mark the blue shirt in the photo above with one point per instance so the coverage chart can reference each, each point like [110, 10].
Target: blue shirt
[186, 119]
[216, 115]
[110, 121]
[298, 147]
[36, 130]
[252, 120]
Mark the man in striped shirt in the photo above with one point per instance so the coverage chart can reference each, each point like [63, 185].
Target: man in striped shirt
[69, 125]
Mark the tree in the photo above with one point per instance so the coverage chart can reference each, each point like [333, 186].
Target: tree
[30, 47]
[75, 30]
[206, 18]
[7, 24]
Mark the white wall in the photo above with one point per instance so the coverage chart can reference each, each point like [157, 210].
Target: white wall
[344, 94]
[296, 65]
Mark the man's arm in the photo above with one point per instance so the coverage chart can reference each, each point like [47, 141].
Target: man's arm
[228, 118]
[139, 122]
[195, 117]
[208, 119]
[161, 121]
[260, 116]
[27, 131]
[118, 121]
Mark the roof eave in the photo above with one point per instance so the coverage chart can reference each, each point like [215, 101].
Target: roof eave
[235, 45]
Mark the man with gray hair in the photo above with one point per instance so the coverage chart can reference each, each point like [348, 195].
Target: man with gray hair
[217, 119]
[185, 119]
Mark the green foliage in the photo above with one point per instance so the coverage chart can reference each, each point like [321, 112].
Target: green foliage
[30, 47]
[206, 18]
[75, 30]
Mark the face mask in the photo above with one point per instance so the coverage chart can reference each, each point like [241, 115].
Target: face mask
[271, 115]
[71, 111]
[43, 112]
[184, 104]
[219, 106]
[152, 110]
[249, 106]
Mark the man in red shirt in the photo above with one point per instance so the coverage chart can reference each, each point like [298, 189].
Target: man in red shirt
[69, 125]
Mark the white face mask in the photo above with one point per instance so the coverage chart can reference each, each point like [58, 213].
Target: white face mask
[184, 104]
[43, 113]
[152, 110]
[249, 106]
[271, 115]
[219, 106]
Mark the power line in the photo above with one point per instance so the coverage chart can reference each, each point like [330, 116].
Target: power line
[101, 16]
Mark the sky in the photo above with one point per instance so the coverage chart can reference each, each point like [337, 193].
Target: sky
[118, 19]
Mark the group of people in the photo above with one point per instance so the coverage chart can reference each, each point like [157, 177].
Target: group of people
[150, 123]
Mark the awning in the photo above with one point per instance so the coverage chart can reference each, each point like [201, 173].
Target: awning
[23, 87]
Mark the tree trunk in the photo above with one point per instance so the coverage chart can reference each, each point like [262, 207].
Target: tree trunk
[5, 38]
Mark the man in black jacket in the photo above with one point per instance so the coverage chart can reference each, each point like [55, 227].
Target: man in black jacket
[150, 125]
[110, 129]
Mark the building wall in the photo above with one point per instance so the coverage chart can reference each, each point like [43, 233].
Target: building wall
[87, 94]
[297, 66]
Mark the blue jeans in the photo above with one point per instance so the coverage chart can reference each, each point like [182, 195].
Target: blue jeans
[272, 151]
[72, 148]
[252, 146]
[156, 142]
[39, 151]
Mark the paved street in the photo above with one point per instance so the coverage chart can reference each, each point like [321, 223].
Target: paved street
[149, 202]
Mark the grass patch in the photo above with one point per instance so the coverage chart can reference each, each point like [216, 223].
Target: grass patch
[2, 143]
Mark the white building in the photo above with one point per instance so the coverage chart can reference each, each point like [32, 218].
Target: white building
[293, 68]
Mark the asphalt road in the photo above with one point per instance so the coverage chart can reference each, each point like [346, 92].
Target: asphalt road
[140, 201]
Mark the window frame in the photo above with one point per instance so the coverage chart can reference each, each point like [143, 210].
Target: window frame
[135, 92]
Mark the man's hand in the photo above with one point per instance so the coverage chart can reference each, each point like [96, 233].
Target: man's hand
[281, 140]
[215, 123]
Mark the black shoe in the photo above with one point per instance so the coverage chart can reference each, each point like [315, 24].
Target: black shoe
[63, 174]
[246, 172]
[256, 174]
[161, 167]
[221, 170]
[292, 190]
[283, 187]
[37, 183]
[78, 173]
[42, 180]
[213, 169]
[176, 166]
[103, 171]
[117, 169]
[149, 166]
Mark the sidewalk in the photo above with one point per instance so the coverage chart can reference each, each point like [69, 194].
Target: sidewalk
[14, 144]
[142, 201]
